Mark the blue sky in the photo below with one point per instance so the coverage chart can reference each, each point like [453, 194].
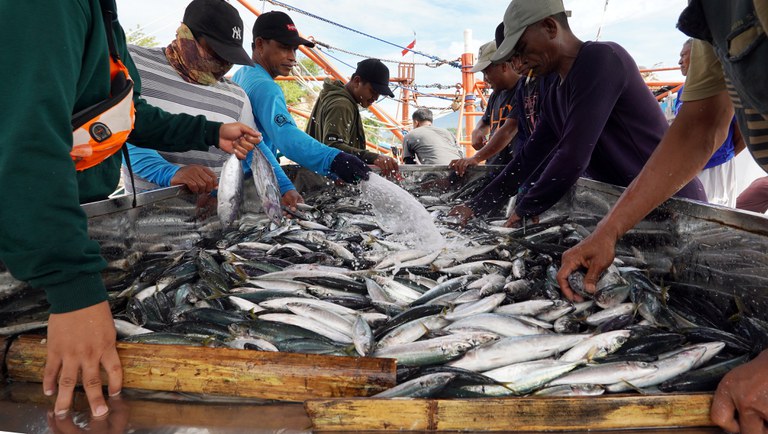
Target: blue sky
[645, 28]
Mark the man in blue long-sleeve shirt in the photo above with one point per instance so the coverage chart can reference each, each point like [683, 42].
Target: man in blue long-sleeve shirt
[599, 119]
[275, 41]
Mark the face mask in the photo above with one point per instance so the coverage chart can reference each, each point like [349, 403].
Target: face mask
[193, 62]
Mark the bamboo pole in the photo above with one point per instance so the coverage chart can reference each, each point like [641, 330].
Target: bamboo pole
[511, 414]
[225, 371]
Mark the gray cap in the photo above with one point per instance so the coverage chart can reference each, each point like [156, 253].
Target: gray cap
[519, 15]
[484, 56]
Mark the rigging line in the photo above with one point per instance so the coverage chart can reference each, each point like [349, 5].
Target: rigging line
[455, 64]
[341, 50]
[602, 20]
[416, 91]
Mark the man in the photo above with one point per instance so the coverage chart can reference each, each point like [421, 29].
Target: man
[599, 119]
[275, 41]
[727, 72]
[43, 231]
[336, 121]
[187, 76]
[427, 143]
[719, 174]
[499, 122]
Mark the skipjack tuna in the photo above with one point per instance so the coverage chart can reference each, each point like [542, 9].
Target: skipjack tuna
[481, 315]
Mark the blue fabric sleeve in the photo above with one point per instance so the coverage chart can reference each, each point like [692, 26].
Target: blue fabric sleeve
[148, 164]
[277, 125]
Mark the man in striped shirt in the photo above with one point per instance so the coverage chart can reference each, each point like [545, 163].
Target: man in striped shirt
[187, 77]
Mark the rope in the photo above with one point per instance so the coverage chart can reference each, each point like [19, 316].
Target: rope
[602, 20]
[341, 50]
[414, 90]
[455, 64]
[436, 86]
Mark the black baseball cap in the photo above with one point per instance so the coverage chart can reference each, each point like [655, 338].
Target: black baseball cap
[376, 73]
[220, 24]
[278, 26]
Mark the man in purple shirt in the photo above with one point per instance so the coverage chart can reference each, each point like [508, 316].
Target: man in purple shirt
[599, 119]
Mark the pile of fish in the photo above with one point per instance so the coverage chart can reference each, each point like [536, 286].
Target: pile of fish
[480, 316]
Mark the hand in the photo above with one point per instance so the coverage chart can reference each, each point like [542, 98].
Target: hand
[350, 168]
[198, 179]
[82, 341]
[239, 139]
[115, 422]
[463, 212]
[460, 165]
[478, 139]
[289, 200]
[388, 166]
[515, 221]
[595, 253]
[740, 403]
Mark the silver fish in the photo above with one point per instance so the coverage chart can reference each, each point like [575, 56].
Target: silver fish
[230, 194]
[266, 186]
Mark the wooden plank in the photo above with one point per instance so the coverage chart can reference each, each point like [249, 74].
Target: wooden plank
[225, 371]
[511, 414]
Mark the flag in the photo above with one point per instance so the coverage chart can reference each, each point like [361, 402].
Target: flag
[410, 46]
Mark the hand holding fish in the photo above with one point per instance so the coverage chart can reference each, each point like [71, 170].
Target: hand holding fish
[82, 341]
[515, 221]
[239, 139]
[290, 199]
[594, 254]
[198, 179]
[740, 403]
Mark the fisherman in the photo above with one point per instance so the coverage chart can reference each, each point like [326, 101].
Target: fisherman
[47, 168]
[336, 121]
[719, 174]
[729, 63]
[275, 41]
[598, 119]
[188, 76]
[428, 143]
[499, 122]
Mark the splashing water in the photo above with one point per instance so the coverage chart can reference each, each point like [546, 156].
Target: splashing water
[398, 212]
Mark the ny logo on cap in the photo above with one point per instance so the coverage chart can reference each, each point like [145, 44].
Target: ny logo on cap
[291, 27]
[237, 33]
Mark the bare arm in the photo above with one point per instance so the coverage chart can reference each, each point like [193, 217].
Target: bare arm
[698, 130]
[499, 140]
[479, 133]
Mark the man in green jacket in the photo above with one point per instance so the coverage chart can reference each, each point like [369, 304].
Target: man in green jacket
[336, 121]
[58, 64]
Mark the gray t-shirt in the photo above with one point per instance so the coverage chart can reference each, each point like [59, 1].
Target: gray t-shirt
[431, 145]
